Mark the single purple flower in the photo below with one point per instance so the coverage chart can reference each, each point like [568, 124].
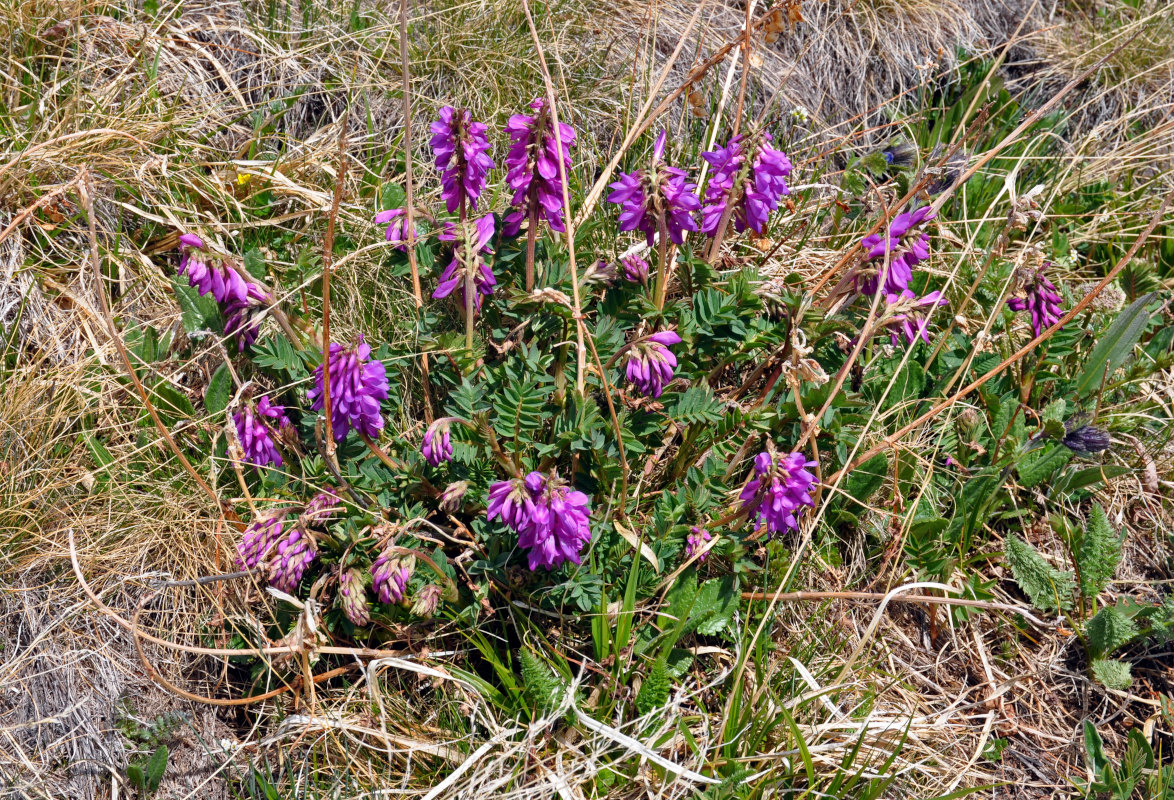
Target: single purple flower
[390, 574]
[532, 167]
[905, 246]
[694, 542]
[600, 272]
[461, 148]
[353, 597]
[647, 196]
[357, 387]
[779, 491]
[287, 562]
[437, 444]
[754, 185]
[635, 269]
[1042, 299]
[397, 227]
[651, 363]
[907, 313]
[255, 434]
[550, 518]
[468, 256]
[1085, 439]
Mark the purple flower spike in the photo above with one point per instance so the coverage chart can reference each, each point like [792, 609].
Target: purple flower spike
[1042, 299]
[779, 491]
[357, 387]
[532, 165]
[257, 540]
[451, 497]
[468, 255]
[242, 300]
[461, 148]
[906, 314]
[651, 363]
[321, 507]
[390, 574]
[635, 269]
[353, 597]
[437, 444]
[287, 562]
[754, 185]
[550, 518]
[242, 318]
[397, 227]
[694, 542]
[906, 246]
[648, 195]
[254, 432]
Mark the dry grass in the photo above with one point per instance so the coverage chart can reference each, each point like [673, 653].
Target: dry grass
[225, 119]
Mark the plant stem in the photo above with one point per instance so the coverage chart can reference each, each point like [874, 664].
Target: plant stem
[531, 240]
[662, 257]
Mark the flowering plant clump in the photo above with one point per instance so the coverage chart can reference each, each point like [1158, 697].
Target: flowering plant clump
[628, 438]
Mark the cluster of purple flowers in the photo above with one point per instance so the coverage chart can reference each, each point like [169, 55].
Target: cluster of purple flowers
[468, 256]
[241, 298]
[635, 269]
[651, 363]
[461, 148]
[257, 540]
[905, 246]
[533, 169]
[353, 597]
[695, 541]
[390, 574]
[357, 387]
[648, 197]
[437, 444]
[1042, 299]
[906, 313]
[778, 491]
[253, 430]
[749, 173]
[396, 220]
[550, 518]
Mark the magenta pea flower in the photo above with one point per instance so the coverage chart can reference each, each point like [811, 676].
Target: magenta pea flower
[905, 246]
[754, 185]
[288, 560]
[906, 313]
[660, 193]
[551, 519]
[1042, 299]
[468, 255]
[257, 541]
[651, 363]
[242, 299]
[437, 444]
[254, 429]
[461, 147]
[533, 169]
[396, 220]
[357, 387]
[779, 490]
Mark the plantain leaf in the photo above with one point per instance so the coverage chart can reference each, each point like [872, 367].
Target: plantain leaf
[1115, 345]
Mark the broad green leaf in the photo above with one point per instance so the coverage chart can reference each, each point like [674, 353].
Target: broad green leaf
[1050, 589]
[1037, 466]
[155, 768]
[1084, 478]
[1115, 345]
[714, 607]
[219, 391]
[1112, 673]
